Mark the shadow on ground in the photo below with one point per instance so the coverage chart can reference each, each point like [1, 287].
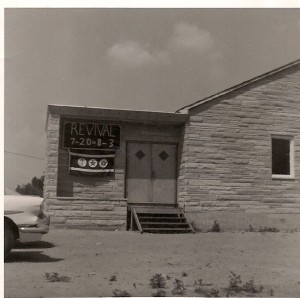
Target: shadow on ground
[30, 257]
[39, 244]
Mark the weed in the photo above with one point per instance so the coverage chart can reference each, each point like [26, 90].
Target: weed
[251, 229]
[198, 287]
[159, 293]
[184, 274]
[54, 277]
[236, 286]
[234, 280]
[119, 293]
[250, 287]
[216, 227]
[271, 293]
[113, 278]
[179, 288]
[158, 282]
[235, 283]
[212, 293]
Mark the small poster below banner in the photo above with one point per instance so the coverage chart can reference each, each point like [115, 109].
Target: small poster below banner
[91, 164]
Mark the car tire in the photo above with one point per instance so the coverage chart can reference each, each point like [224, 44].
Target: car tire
[9, 239]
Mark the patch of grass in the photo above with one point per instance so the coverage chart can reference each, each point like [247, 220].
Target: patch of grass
[264, 229]
[159, 293]
[179, 288]
[119, 293]
[216, 227]
[158, 281]
[268, 229]
[113, 278]
[55, 277]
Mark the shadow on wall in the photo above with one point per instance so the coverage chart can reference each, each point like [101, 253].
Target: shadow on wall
[67, 182]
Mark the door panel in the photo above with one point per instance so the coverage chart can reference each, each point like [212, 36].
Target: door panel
[164, 173]
[151, 173]
[139, 185]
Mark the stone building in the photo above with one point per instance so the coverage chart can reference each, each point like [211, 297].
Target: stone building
[233, 157]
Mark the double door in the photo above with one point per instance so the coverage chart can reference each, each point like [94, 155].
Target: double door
[151, 173]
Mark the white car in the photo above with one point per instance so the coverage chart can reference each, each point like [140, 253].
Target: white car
[24, 220]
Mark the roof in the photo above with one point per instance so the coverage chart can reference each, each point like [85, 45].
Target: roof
[117, 115]
[186, 108]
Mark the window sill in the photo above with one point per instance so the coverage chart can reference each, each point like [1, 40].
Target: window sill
[283, 177]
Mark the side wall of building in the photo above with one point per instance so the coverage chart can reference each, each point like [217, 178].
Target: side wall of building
[87, 201]
[226, 165]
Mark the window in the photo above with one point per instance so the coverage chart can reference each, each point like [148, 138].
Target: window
[282, 157]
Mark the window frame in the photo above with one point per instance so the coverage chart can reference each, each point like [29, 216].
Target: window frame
[291, 176]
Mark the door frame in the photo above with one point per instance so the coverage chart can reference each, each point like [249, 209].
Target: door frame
[176, 168]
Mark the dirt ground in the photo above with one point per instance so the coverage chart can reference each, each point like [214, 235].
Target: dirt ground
[96, 263]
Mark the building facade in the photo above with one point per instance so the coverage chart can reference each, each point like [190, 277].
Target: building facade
[145, 166]
[233, 157]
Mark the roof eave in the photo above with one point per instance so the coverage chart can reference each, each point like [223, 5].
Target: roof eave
[118, 115]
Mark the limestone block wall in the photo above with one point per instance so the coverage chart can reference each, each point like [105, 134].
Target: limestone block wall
[94, 202]
[226, 170]
[51, 171]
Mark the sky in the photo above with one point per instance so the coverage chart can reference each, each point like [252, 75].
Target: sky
[141, 59]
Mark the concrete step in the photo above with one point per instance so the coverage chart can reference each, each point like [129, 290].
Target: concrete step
[157, 219]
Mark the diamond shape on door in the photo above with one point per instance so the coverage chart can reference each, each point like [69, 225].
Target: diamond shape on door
[140, 154]
[163, 155]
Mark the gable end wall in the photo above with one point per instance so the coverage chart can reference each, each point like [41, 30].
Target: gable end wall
[226, 157]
